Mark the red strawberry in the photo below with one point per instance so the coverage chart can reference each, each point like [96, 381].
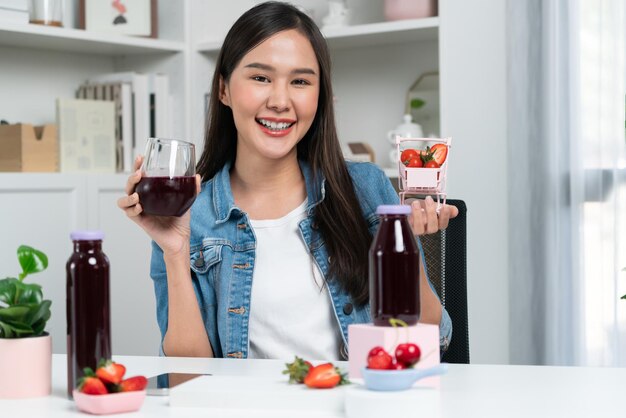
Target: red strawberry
[133, 384]
[324, 376]
[110, 372]
[297, 370]
[408, 354]
[92, 386]
[379, 359]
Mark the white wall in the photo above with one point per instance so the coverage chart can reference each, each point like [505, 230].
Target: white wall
[472, 38]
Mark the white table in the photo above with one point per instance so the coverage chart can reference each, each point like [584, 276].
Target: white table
[466, 391]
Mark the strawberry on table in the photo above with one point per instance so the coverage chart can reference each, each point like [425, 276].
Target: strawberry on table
[325, 376]
[110, 372]
[297, 370]
[133, 384]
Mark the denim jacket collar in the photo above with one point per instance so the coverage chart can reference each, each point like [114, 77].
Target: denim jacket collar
[224, 202]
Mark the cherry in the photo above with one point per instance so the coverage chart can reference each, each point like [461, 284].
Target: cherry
[379, 359]
[408, 354]
[397, 365]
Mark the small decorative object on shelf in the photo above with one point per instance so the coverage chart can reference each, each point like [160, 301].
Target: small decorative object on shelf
[338, 14]
[423, 167]
[410, 9]
[25, 347]
[28, 148]
[46, 12]
[126, 17]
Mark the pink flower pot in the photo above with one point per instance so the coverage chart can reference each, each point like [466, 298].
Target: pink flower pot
[409, 9]
[25, 367]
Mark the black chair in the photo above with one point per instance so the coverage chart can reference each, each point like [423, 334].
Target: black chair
[446, 261]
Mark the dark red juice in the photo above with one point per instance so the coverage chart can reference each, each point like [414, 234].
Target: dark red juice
[164, 196]
[88, 312]
[394, 271]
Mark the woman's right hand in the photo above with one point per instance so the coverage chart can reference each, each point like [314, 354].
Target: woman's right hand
[171, 233]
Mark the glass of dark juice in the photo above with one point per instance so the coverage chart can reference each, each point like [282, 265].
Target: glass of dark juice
[168, 184]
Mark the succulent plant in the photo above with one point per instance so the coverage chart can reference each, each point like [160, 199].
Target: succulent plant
[23, 310]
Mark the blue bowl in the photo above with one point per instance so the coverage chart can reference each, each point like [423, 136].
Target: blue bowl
[395, 380]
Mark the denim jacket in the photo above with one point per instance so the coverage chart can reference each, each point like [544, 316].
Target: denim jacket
[222, 251]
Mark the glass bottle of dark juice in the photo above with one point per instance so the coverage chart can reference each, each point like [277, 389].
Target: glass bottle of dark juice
[394, 268]
[88, 312]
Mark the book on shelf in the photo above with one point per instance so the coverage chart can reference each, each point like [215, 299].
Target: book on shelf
[140, 91]
[160, 106]
[87, 140]
[121, 95]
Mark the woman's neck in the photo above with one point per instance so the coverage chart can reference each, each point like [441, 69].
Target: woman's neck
[267, 189]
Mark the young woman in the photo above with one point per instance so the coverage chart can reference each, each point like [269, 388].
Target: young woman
[271, 260]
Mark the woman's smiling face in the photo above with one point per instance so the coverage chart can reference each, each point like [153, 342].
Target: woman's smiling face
[273, 93]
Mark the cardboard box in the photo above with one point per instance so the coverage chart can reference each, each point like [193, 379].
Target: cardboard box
[29, 148]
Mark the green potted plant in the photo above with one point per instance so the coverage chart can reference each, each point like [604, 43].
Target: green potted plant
[25, 347]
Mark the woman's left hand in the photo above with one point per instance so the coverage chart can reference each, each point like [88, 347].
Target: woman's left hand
[424, 218]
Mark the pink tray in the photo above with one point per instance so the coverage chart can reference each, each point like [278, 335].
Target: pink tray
[113, 403]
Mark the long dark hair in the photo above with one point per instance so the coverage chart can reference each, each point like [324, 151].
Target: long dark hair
[339, 215]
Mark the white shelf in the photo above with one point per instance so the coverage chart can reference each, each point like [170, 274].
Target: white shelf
[384, 33]
[76, 40]
[209, 46]
[402, 31]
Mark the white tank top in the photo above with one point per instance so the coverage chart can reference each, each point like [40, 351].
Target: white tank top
[290, 309]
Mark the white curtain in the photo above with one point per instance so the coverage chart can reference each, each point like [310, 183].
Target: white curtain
[567, 188]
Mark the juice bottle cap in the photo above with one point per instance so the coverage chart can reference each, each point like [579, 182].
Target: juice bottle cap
[87, 235]
[393, 210]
